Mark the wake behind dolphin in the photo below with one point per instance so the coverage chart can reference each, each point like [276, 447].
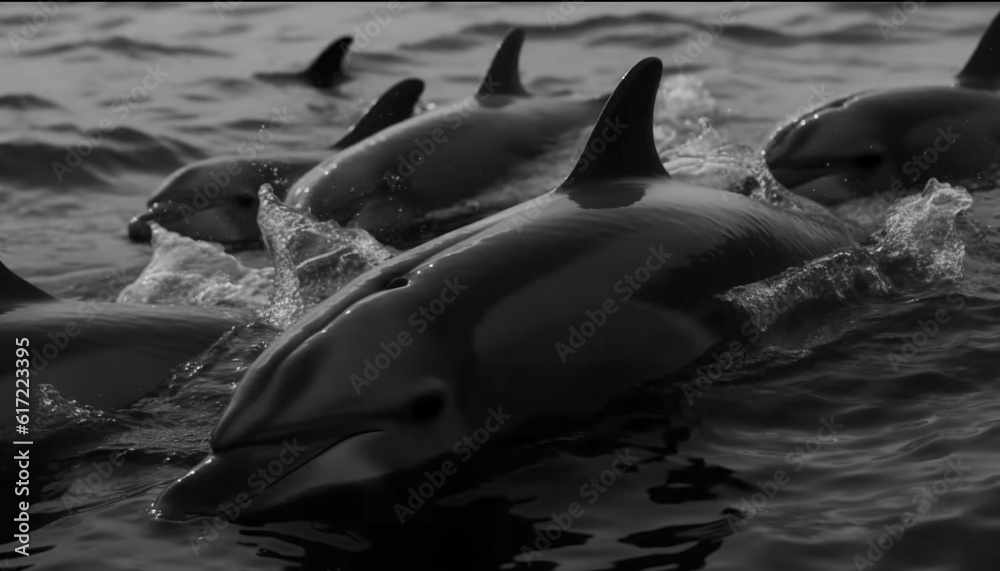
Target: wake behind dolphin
[892, 142]
[479, 322]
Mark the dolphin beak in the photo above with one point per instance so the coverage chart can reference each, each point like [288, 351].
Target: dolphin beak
[162, 213]
[214, 221]
[256, 479]
[139, 229]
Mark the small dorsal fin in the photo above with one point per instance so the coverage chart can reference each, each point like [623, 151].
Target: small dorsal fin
[326, 68]
[503, 76]
[621, 144]
[982, 71]
[393, 106]
[14, 288]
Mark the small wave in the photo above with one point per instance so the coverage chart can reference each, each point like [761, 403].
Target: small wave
[124, 46]
[91, 158]
[25, 102]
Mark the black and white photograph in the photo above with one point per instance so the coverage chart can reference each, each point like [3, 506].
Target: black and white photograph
[500, 286]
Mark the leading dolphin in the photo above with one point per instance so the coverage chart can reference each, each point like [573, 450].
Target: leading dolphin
[444, 157]
[216, 198]
[552, 306]
[891, 142]
[103, 355]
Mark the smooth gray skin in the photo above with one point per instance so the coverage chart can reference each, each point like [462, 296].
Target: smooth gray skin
[510, 288]
[103, 355]
[441, 158]
[365, 184]
[891, 142]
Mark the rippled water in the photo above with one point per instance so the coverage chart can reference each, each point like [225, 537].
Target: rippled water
[837, 421]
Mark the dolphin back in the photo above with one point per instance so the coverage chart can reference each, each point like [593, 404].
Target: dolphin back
[107, 355]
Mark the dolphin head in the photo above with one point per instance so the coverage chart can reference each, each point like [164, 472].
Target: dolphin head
[832, 154]
[344, 398]
[216, 199]
[890, 141]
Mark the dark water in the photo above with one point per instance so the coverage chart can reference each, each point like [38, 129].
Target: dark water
[759, 436]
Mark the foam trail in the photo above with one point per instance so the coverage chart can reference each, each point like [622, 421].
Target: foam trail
[918, 247]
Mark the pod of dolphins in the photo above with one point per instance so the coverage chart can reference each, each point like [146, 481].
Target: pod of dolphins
[475, 316]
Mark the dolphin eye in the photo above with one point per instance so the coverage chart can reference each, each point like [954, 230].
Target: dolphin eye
[427, 406]
[869, 160]
[397, 282]
[245, 200]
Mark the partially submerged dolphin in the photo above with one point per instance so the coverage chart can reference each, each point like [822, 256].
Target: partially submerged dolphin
[104, 355]
[891, 142]
[325, 71]
[216, 199]
[444, 157]
[552, 306]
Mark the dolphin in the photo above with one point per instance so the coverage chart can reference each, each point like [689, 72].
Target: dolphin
[216, 199]
[444, 157]
[103, 355]
[891, 142]
[324, 72]
[553, 306]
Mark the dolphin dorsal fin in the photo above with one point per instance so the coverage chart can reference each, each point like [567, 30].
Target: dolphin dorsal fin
[982, 71]
[621, 144]
[393, 106]
[14, 288]
[503, 76]
[327, 66]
